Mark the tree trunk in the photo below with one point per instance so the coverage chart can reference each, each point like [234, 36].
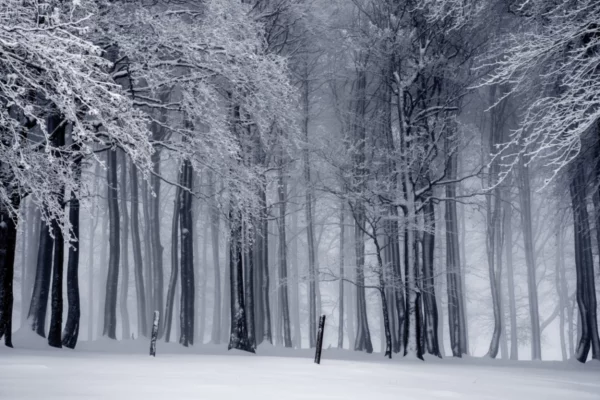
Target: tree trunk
[168, 319]
[494, 228]
[238, 338]
[412, 329]
[226, 303]
[310, 235]
[453, 266]
[148, 258]
[384, 304]
[56, 305]
[124, 293]
[493, 257]
[562, 304]
[283, 277]
[91, 257]
[112, 279]
[534, 314]
[41, 288]
[187, 257]
[351, 291]
[55, 124]
[429, 302]
[295, 308]
[103, 270]
[203, 277]
[266, 312]
[8, 244]
[341, 278]
[249, 285]
[363, 336]
[157, 248]
[71, 330]
[142, 311]
[512, 305]
[214, 229]
[586, 293]
[30, 247]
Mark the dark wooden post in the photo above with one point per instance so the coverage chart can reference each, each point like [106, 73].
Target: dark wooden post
[154, 334]
[320, 339]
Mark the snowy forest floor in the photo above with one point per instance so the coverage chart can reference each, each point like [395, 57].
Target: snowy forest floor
[123, 370]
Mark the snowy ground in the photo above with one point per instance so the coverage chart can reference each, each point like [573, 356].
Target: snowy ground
[124, 371]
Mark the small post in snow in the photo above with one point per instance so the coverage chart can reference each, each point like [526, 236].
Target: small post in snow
[320, 339]
[154, 334]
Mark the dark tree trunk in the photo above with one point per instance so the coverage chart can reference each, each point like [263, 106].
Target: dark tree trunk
[33, 228]
[202, 273]
[114, 240]
[226, 302]
[148, 258]
[393, 253]
[453, 267]
[56, 306]
[168, 319]
[71, 330]
[238, 338]
[157, 248]
[41, 286]
[264, 232]
[8, 244]
[249, 285]
[429, 301]
[283, 276]
[142, 312]
[341, 282]
[214, 229]
[187, 256]
[124, 293]
[586, 293]
[56, 124]
[384, 300]
[310, 235]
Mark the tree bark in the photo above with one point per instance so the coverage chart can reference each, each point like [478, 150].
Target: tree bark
[148, 258]
[142, 311]
[187, 257]
[384, 304]
[168, 319]
[8, 244]
[71, 331]
[429, 302]
[112, 279]
[124, 293]
[310, 235]
[249, 292]
[283, 276]
[586, 293]
[456, 319]
[512, 305]
[238, 338]
[56, 305]
[214, 229]
[202, 276]
[266, 312]
[41, 288]
[157, 248]
[341, 278]
[534, 314]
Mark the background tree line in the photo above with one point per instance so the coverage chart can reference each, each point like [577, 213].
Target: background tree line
[422, 171]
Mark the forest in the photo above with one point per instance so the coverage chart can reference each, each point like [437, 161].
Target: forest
[424, 173]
